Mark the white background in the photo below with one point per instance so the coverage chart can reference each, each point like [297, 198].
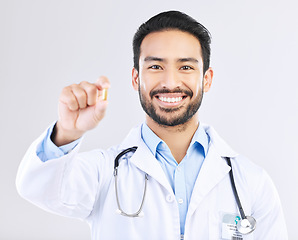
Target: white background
[46, 45]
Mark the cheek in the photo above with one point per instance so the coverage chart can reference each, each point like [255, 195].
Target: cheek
[146, 83]
[142, 86]
[197, 87]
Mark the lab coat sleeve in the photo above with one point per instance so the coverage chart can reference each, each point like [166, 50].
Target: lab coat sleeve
[268, 212]
[67, 185]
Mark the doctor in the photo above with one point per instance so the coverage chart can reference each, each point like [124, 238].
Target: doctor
[179, 164]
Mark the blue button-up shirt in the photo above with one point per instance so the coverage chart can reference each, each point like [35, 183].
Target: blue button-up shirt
[181, 176]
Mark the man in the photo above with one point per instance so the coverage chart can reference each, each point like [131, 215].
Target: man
[176, 184]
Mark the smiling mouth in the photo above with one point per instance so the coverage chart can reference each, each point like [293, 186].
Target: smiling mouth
[170, 99]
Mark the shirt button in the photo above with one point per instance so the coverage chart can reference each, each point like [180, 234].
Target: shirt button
[180, 200]
[178, 169]
[170, 198]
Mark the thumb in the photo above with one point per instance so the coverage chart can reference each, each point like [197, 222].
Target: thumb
[102, 84]
[100, 106]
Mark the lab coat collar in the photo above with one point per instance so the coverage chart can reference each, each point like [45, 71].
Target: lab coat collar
[143, 157]
[132, 139]
[135, 137]
[222, 148]
[214, 165]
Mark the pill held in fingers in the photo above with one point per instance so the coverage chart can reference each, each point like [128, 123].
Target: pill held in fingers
[104, 94]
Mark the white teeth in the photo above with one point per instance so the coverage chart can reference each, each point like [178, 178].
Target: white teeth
[170, 100]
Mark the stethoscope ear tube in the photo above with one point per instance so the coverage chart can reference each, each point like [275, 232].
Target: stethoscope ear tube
[116, 162]
[247, 224]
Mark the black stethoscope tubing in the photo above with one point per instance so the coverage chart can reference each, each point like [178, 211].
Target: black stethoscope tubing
[243, 216]
[247, 224]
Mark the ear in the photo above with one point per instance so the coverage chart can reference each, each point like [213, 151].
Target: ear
[208, 79]
[135, 79]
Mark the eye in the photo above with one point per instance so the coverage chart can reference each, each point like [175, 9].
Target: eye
[187, 68]
[155, 67]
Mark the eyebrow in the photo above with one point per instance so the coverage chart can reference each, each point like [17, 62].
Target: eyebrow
[150, 58]
[188, 60]
[158, 59]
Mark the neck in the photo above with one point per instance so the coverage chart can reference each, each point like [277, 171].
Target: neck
[178, 137]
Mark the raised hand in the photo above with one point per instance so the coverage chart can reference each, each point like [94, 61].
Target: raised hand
[81, 107]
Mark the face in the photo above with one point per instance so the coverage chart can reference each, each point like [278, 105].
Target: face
[170, 78]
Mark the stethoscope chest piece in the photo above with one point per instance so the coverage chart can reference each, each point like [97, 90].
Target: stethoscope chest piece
[246, 225]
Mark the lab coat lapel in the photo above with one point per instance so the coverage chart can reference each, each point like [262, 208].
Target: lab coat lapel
[145, 161]
[143, 157]
[213, 170]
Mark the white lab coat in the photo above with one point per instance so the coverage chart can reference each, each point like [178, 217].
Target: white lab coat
[81, 185]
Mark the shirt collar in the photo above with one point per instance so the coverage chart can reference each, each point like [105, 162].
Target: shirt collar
[152, 140]
[200, 137]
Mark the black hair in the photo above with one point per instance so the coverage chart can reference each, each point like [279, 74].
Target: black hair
[173, 20]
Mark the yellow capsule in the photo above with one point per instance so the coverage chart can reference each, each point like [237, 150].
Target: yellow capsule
[104, 94]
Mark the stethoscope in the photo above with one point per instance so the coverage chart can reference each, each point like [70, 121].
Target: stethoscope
[138, 213]
[245, 225]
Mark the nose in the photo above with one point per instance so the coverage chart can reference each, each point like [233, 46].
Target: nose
[170, 79]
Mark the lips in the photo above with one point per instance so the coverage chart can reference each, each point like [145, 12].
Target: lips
[177, 92]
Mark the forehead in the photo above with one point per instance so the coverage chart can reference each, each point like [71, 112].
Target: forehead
[170, 44]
